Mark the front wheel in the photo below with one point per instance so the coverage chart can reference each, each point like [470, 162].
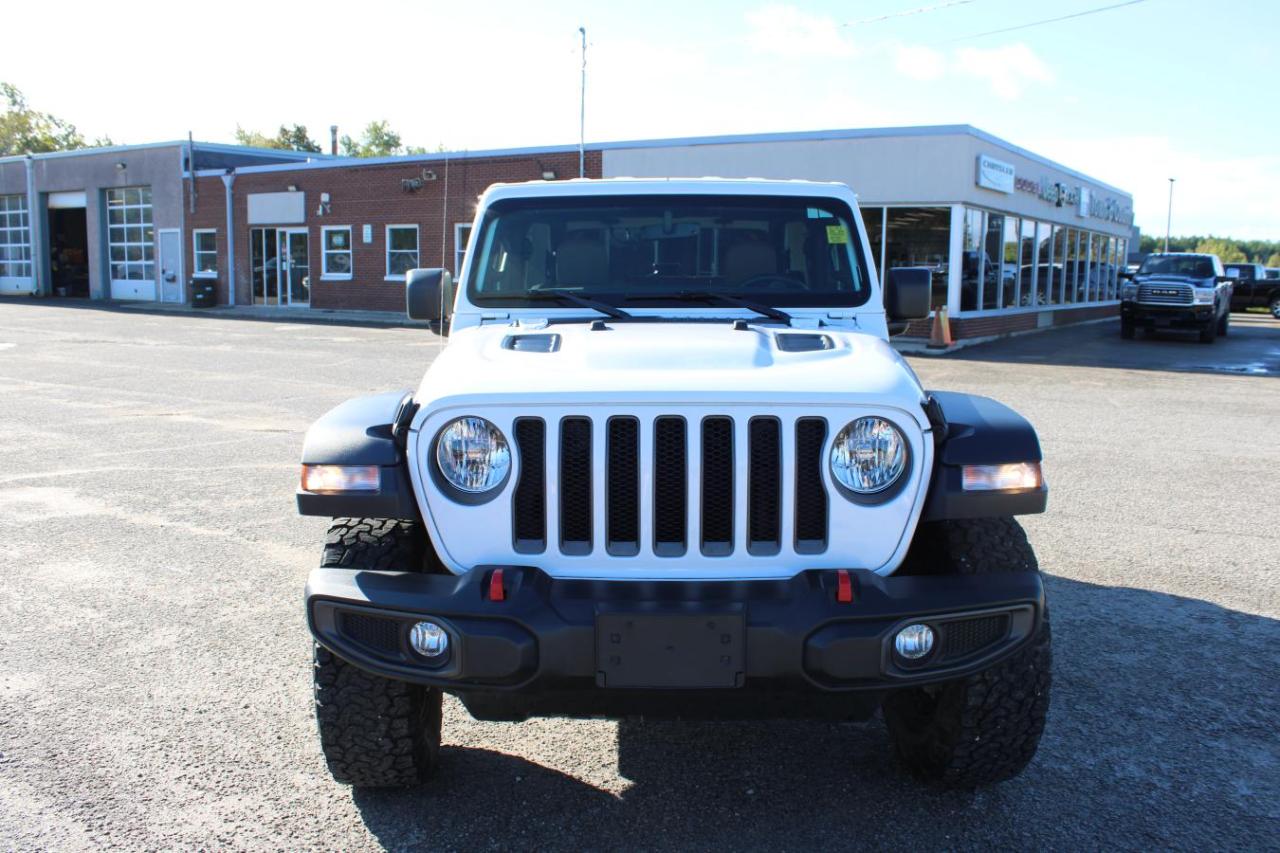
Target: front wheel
[375, 732]
[984, 728]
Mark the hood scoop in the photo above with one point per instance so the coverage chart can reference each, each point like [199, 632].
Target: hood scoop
[532, 343]
[795, 342]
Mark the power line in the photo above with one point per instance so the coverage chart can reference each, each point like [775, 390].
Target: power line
[908, 12]
[1046, 21]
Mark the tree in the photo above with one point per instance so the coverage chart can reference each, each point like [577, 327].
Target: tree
[1274, 260]
[27, 131]
[378, 140]
[1225, 249]
[288, 139]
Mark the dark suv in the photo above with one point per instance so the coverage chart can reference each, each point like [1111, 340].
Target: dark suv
[1178, 290]
[1255, 287]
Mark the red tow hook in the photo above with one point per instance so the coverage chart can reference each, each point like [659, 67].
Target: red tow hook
[496, 591]
[844, 587]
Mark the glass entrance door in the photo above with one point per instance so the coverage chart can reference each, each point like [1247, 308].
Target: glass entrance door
[281, 266]
[295, 266]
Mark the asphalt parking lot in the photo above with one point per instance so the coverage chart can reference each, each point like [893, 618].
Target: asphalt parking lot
[154, 662]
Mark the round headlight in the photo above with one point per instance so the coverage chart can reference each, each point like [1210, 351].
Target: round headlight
[869, 455]
[472, 455]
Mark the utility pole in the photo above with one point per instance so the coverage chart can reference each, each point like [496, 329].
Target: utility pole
[1168, 223]
[582, 111]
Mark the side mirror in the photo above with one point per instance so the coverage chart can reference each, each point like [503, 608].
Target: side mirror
[906, 296]
[1224, 279]
[1126, 275]
[428, 294]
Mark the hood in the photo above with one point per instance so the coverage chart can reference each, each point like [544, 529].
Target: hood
[682, 361]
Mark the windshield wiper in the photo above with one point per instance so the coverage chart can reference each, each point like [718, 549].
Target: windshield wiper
[715, 296]
[559, 295]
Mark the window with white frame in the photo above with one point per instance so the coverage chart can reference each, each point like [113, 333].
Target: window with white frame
[336, 252]
[205, 252]
[402, 249]
[130, 234]
[15, 237]
[461, 234]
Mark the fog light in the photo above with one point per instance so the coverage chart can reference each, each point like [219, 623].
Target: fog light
[429, 639]
[914, 641]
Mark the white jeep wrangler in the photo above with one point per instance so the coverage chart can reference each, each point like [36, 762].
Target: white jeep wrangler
[668, 465]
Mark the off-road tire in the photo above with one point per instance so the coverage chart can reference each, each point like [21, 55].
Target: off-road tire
[1126, 330]
[1224, 323]
[1274, 307]
[984, 728]
[1209, 333]
[374, 732]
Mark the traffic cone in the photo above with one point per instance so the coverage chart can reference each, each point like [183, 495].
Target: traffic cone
[940, 334]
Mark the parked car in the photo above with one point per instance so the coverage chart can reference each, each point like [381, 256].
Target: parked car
[1254, 288]
[1178, 290]
[669, 466]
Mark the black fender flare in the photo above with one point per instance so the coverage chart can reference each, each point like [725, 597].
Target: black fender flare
[972, 430]
[363, 431]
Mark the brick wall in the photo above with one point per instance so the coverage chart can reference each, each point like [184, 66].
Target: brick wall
[372, 195]
[985, 327]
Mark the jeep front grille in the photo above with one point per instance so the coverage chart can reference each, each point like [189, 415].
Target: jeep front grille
[1158, 293]
[657, 506]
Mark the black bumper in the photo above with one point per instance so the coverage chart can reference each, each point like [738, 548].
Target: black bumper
[603, 637]
[1167, 317]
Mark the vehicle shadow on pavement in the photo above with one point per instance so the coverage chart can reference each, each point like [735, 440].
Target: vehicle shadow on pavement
[1252, 348]
[1161, 731]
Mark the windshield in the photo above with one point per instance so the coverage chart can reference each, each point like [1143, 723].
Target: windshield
[660, 250]
[1190, 266]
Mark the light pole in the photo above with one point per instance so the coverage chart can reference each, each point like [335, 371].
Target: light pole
[582, 111]
[1168, 223]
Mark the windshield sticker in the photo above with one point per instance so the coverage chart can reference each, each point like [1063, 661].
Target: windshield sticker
[837, 234]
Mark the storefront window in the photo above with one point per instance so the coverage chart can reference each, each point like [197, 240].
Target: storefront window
[1112, 265]
[1045, 286]
[1122, 258]
[971, 266]
[1060, 261]
[873, 218]
[920, 237]
[992, 255]
[1010, 279]
[1027, 265]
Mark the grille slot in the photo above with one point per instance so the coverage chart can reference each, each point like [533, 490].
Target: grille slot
[529, 515]
[811, 494]
[670, 487]
[717, 486]
[376, 632]
[622, 531]
[764, 489]
[575, 485]
[966, 636]
[1157, 293]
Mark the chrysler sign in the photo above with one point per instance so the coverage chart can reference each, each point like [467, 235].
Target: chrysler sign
[995, 174]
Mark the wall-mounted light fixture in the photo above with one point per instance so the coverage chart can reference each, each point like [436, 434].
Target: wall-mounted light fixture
[121, 166]
[548, 173]
[293, 188]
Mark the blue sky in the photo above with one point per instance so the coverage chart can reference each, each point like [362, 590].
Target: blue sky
[1131, 96]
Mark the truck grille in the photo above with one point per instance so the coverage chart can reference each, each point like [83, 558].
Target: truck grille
[657, 506]
[1157, 293]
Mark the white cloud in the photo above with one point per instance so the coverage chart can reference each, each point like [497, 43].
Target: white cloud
[919, 62]
[1009, 70]
[786, 31]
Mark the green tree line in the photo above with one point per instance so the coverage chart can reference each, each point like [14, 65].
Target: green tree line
[1266, 252]
[25, 130]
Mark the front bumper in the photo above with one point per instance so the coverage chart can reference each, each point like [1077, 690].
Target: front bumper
[1167, 316]
[603, 637]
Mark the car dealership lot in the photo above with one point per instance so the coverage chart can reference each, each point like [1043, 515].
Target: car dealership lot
[154, 662]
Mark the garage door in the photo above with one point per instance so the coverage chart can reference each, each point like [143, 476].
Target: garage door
[131, 243]
[15, 245]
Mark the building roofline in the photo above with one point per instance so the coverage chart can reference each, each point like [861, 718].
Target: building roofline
[221, 147]
[330, 162]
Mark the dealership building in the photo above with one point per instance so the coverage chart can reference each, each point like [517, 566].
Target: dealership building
[1014, 241]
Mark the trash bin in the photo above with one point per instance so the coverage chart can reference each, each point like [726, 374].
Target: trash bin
[203, 293]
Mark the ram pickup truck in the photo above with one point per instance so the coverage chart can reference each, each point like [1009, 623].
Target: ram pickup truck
[1177, 290]
[1254, 288]
[668, 465]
